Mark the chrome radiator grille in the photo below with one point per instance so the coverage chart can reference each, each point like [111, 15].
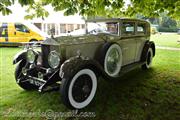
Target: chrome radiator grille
[45, 52]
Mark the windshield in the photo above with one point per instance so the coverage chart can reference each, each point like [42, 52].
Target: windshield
[102, 27]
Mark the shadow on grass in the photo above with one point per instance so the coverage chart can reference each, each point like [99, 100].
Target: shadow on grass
[133, 78]
[117, 99]
[113, 100]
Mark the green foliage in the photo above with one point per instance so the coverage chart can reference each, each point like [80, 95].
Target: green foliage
[4, 6]
[5, 10]
[106, 8]
[166, 21]
[36, 10]
[167, 29]
[26, 2]
[178, 24]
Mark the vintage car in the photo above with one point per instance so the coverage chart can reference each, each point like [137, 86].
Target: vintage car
[72, 64]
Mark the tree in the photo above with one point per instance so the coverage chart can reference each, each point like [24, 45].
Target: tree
[107, 8]
[4, 6]
[167, 22]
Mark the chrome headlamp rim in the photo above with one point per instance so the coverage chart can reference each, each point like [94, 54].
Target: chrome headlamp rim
[31, 56]
[54, 59]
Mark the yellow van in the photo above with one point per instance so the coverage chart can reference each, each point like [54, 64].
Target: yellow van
[19, 32]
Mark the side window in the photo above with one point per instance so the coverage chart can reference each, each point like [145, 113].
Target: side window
[128, 28]
[112, 27]
[141, 28]
[3, 30]
[21, 28]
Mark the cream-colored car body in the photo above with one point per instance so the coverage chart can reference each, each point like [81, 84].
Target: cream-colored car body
[88, 45]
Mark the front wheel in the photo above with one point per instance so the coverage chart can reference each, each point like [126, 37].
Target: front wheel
[20, 76]
[149, 59]
[78, 91]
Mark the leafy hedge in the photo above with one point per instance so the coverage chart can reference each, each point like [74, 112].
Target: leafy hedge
[165, 29]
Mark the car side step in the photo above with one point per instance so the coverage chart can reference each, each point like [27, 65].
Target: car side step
[130, 67]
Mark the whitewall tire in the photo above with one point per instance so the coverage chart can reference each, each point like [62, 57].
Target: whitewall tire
[113, 60]
[79, 91]
[149, 59]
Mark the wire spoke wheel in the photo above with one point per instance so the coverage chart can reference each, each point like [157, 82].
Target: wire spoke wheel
[82, 88]
[113, 60]
[78, 91]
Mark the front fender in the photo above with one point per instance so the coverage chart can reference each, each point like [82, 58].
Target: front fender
[74, 64]
[19, 56]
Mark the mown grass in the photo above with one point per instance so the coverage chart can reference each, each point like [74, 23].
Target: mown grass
[139, 95]
[166, 40]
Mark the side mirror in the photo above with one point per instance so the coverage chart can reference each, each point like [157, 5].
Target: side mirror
[26, 30]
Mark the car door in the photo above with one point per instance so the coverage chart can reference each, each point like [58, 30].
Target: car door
[4, 32]
[127, 41]
[18, 33]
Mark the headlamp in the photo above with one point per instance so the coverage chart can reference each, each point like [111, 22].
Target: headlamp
[31, 56]
[53, 59]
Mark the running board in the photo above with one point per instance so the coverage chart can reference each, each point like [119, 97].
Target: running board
[127, 68]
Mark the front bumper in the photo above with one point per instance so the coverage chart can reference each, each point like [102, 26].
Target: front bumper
[45, 78]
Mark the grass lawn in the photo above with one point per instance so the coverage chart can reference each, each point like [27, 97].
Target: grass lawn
[139, 95]
[166, 40]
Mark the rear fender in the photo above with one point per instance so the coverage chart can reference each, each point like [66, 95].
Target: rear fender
[148, 44]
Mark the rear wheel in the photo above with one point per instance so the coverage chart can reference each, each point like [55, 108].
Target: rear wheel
[111, 59]
[77, 92]
[20, 76]
[149, 59]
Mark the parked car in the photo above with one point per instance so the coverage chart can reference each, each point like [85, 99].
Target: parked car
[13, 33]
[74, 63]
